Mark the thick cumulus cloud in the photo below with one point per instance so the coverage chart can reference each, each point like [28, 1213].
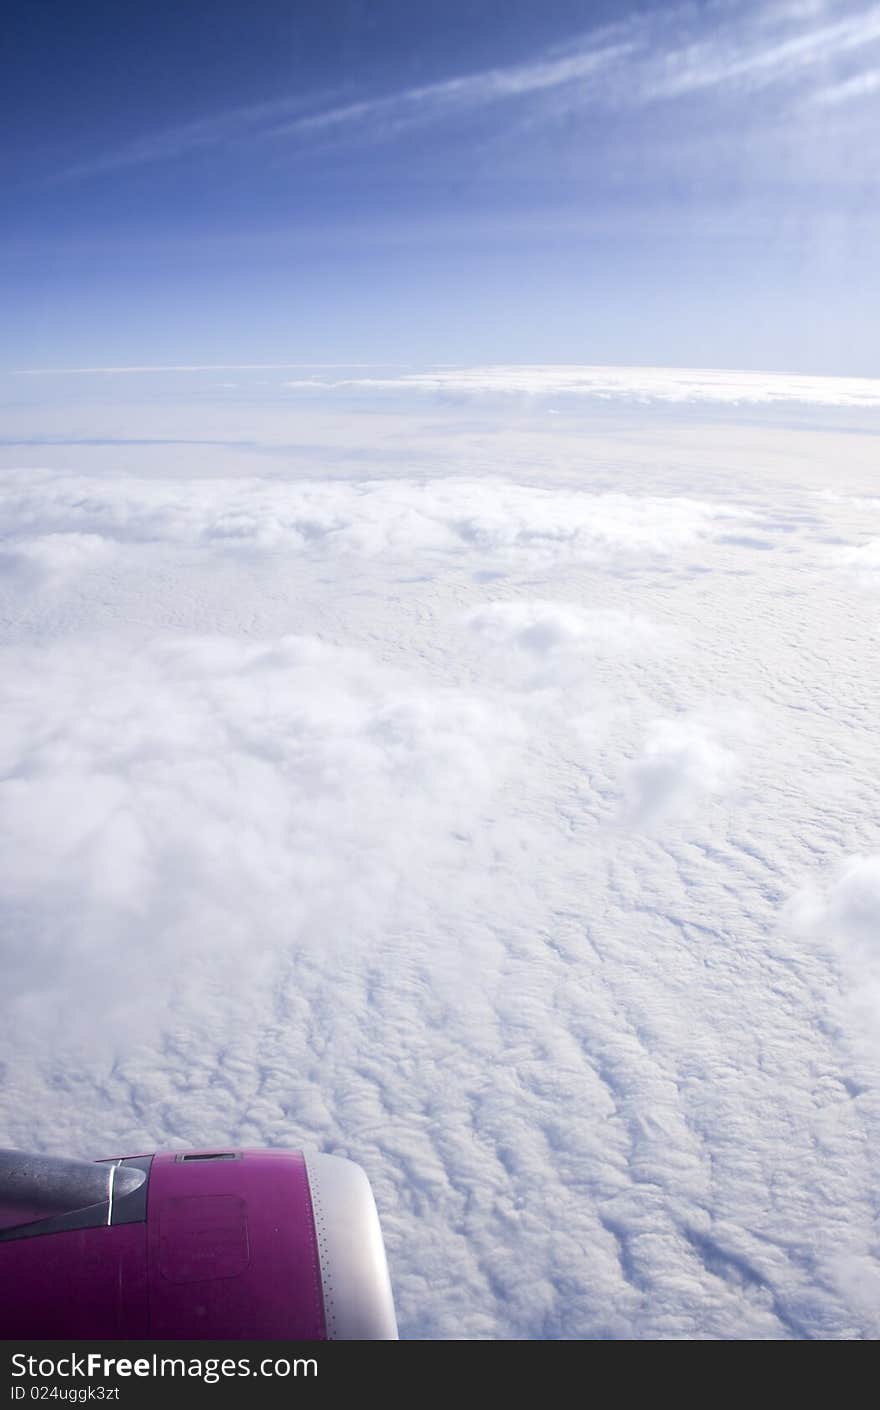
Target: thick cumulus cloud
[540, 644]
[206, 803]
[49, 559]
[448, 820]
[543, 629]
[439, 518]
[863, 560]
[853, 907]
[857, 548]
[683, 760]
[842, 914]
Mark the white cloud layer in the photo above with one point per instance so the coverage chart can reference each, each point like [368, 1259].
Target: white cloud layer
[217, 800]
[449, 816]
[641, 384]
[440, 518]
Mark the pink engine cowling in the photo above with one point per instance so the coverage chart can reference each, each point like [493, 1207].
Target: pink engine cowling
[218, 1244]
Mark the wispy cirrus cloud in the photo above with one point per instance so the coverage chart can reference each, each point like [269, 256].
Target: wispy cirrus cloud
[745, 58]
[239, 124]
[374, 115]
[860, 85]
[472, 90]
[643, 59]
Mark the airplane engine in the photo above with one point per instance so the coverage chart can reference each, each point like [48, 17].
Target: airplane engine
[220, 1244]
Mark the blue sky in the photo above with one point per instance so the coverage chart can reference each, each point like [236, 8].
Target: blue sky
[566, 182]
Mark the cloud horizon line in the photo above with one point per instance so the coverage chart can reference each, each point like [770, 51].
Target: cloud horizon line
[641, 383]
[186, 367]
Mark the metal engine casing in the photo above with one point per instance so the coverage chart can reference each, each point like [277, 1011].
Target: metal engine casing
[218, 1244]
